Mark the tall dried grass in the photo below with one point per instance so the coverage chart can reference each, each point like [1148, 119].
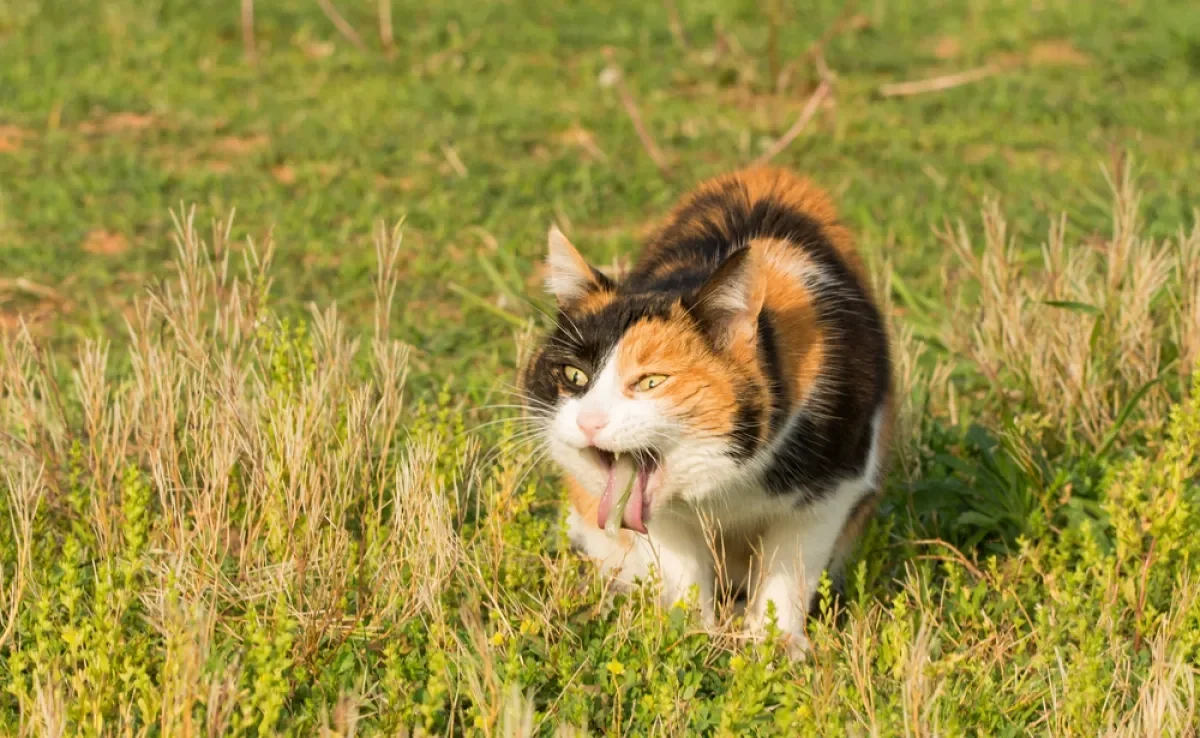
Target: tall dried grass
[1089, 332]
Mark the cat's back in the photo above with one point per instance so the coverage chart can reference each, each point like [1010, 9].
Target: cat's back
[822, 342]
[726, 213]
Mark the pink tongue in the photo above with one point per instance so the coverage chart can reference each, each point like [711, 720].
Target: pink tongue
[613, 488]
[637, 502]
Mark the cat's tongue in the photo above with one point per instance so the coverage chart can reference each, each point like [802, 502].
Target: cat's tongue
[619, 474]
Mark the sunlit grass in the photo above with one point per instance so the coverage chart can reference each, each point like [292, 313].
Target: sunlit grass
[255, 531]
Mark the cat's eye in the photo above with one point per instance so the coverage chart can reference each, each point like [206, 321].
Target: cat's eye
[575, 375]
[650, 381]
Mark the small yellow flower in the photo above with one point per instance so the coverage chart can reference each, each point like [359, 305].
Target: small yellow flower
[616, 668]
[497, 639]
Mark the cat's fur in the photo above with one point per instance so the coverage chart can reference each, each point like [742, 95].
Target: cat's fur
[767, 439]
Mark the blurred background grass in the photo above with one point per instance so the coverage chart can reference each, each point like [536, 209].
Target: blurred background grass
[489, 120]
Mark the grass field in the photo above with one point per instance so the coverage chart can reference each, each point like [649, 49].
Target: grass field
[231, 509]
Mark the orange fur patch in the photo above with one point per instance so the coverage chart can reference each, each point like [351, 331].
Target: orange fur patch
[701, 386]
[764, 183]
[592, 302]
[670, 265]
[798, 338]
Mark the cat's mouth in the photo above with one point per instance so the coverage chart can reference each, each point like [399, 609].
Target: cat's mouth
[629, 470]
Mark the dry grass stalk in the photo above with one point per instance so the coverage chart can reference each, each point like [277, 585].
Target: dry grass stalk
[675, 23]
[802, 121]
[920, 695]
[28, 286]
[188, 629]
[860, 668]
[937, 84]
[386, 34]
[49, 718]
[919, 390]
[342, 25]
[452, 158]
[25, 490]
[248, 31]
[1187, 323]
[1166, 697]
[205, 397]
[345, 717]
[614, 75]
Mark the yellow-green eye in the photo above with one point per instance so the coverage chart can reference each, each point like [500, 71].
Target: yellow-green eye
[575, 375]
[650, 381]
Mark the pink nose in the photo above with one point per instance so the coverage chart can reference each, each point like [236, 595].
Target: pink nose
[591, 423]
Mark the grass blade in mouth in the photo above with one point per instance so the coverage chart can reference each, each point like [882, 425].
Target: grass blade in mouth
[616, 516]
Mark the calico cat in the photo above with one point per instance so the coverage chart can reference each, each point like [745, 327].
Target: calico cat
[739, 378]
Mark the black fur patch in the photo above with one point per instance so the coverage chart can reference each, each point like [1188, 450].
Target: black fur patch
[747, 425]
[768, 351]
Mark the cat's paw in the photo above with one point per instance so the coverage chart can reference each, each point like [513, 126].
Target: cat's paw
[795, 645]
[794, 641]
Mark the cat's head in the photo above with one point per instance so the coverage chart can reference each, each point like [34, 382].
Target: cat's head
[666, 384]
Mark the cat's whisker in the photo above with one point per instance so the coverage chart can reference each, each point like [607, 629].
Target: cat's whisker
[506, 415]
[523, 403]
[521, 437]
[524, 438]
[534, 462]
[503, 406]
[523, 463]
[475, 429]
[561, 315]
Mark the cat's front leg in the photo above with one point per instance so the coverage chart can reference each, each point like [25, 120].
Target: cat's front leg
[796, 549]
[683, 560]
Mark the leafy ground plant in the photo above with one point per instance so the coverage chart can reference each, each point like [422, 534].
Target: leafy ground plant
[253, 531]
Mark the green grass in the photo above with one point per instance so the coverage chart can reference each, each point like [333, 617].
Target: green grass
[253, 553]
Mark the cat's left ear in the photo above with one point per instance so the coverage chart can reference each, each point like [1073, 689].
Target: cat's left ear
[730, 301]
[570, 276]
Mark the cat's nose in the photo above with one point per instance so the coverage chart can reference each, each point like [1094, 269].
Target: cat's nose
[591, 422]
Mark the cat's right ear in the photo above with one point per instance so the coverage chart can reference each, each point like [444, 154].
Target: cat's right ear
[729, 303]
[569, 276]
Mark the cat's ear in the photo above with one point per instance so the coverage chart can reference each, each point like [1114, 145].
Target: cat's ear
[728, 304]
[569, 275]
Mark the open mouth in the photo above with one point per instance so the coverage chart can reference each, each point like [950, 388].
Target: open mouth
[627, 499]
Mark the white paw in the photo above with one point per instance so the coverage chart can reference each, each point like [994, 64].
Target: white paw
[791, 636]
[692, 597]
[795, 645]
